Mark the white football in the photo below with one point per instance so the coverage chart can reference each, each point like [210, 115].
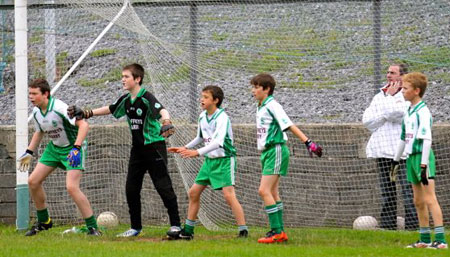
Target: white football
[400, 223]
[365, 223]
[107, 219]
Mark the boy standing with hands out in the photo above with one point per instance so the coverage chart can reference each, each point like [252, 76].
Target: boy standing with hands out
[214, 129]
[148, 152]
[421, 167]
[271, 123]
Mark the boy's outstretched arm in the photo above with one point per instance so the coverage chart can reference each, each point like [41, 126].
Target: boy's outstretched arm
[310, 145]
[86, 113]
[167, 129]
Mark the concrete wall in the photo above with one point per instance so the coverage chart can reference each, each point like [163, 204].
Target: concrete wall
[330, 191]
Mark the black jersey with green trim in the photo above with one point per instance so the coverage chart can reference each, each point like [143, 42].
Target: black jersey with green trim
[142, 115]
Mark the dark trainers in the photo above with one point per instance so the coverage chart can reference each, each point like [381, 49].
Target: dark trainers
[38, 227]
[243, 233]
[94, 232]
[419, 244]
[438, 245]
[185, 236]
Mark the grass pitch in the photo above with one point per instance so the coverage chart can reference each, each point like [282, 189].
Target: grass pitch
[151, 243]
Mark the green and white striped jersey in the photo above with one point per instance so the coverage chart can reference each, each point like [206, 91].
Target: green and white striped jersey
[271, 122]
[55, 123]
[416, 127]
[215, 129]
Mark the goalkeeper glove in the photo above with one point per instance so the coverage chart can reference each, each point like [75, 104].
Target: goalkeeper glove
[78, 113]
[313, 148]
[167, 129]
[395, 165]
[423, 176]
[74, 156]
[25, 160]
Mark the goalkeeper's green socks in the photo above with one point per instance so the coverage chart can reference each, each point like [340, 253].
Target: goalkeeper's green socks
[189, 226]
[280, 214]
[425, 234]
[439, 234]
[42, 216]
[91, 222]
[272, 212]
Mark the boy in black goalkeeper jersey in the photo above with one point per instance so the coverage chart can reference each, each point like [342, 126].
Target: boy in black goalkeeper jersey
[148, 152]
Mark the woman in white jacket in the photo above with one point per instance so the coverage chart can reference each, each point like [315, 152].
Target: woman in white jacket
[383, 118]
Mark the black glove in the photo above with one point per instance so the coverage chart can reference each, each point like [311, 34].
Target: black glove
[395, 165]
[78, 113]
[423, 176]
[167, 129]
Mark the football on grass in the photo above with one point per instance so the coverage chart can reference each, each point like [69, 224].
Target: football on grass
[365, 223]
[107, 219]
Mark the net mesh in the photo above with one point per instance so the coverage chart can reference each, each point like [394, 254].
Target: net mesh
[328, 58]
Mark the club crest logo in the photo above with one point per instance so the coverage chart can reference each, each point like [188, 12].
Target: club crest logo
[54, 123]
[424, 131]
[139, 111]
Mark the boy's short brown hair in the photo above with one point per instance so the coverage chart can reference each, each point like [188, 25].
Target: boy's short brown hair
[42, 84]
[417, 80]
[136, 70]
[265, 81]
[216, 93]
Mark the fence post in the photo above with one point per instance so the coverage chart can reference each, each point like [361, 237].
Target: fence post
[193, 70]
[377, 44]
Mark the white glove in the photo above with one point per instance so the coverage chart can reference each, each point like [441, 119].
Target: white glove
[25, 161]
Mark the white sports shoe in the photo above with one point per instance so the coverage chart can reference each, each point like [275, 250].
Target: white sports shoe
[174, 232]
[129, 233]
[438, 245]
[419, 244]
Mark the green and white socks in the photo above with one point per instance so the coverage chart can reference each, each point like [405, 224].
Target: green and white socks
[274, 218]
[425, 234]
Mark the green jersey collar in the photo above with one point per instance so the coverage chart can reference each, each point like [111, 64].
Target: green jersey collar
[215, 114]
[139, 94]
[267, 100]
[50, 104]
[416, 108]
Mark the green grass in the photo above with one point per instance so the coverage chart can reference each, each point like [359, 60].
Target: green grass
[103, 52]
[302, 242]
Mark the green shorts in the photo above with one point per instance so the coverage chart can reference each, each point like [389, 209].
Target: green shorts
[413, 167]
[217, 172]
[275, 160]
[55, 156]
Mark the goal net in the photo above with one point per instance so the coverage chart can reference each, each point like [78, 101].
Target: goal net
[329, 59]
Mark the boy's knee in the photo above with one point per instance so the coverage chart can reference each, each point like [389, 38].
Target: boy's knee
[193, 194]
[72, 189]
[263, 192]
[33, 183]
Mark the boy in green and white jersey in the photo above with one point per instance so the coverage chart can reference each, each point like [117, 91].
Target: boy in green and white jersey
[421, 168]
[66, 150]
[214, 130]
[271, 124]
